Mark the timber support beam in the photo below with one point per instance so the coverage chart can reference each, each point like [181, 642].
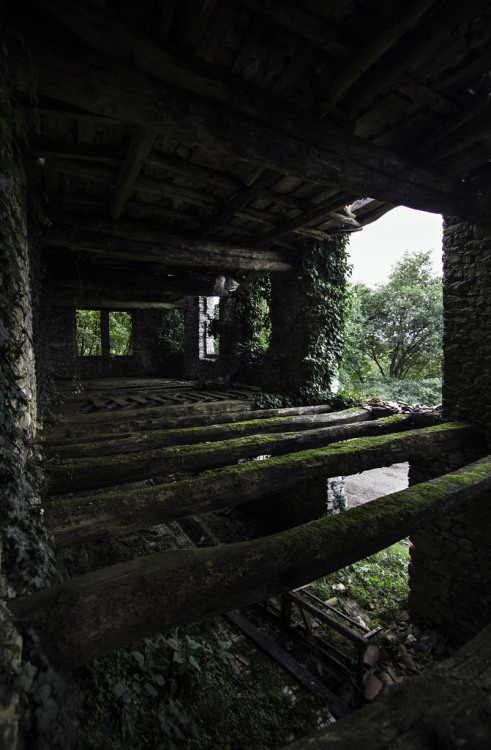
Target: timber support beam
[90, 517]
[104, 471]
[86, 617]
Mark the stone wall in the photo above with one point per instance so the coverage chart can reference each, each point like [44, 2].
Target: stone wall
[18, 412]
[450, 570]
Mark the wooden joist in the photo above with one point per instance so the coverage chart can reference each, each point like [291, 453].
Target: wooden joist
[260, 128]
[84, 427]
[107, 445]
[167, 248]
[82, 619]
[88, 517]
[104, 471]
[135, 158]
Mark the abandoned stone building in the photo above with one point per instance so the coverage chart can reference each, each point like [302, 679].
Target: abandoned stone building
[159, 158]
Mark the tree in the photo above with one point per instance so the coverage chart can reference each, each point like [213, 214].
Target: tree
[394, 331]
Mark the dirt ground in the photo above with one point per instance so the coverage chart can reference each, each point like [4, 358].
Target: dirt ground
[374, 483]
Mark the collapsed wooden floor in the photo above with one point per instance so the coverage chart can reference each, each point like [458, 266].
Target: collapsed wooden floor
[116, 467]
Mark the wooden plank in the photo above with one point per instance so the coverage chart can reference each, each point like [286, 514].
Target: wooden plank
[95, 516]
[90, 473]
[308, 151]
[108, 444]
[83, 618]
[407, 17]
[138, 151]
[98, 403]
[305, 25]
[120, 401]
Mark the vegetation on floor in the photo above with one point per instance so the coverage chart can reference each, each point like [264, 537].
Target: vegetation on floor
[379, 583]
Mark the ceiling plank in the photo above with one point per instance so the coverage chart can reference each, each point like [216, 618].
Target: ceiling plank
[138, 151]
[112, 38]
[296, 20]
[407, 17]
[132, 95]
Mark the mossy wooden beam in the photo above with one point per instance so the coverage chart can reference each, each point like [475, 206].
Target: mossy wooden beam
[88, 616]
[85, 426]
[107, 444]
[74, 520]
[79, 474]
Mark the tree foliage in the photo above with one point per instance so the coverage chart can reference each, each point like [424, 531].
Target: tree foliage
[394, 331]
[89, 341]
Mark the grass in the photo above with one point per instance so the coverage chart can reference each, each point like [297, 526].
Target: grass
[379, 583]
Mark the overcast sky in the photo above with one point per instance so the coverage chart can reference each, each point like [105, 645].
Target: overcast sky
[375, 249]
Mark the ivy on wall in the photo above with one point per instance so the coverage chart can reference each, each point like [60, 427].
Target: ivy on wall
[250, 328]
[171, 342]
[325, 280]
[311, 308]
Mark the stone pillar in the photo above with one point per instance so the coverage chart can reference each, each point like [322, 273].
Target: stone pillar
[291, 333]
[63, 344]
[308, 308]
[450, 570]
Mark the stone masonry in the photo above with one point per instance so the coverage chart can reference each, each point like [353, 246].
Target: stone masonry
[450, 571]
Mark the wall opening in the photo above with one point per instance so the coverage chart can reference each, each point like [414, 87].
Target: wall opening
[208, 317]
[104, 333]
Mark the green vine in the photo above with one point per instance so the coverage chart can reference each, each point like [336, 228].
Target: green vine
[325, 280]
[244, 339]
[321, 298]
[171, 342]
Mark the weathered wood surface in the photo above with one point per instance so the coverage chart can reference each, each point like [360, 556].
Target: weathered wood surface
[168, 248]
[253, 134]
[107, 445]
[88, 616]
[91, 473]
[89, 517]
[201, 78]
[81, 426]
[135, 158]
[446, 707]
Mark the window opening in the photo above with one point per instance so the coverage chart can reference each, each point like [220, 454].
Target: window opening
[103, 333]
[209, 312]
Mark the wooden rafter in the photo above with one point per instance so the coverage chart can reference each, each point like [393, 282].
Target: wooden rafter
[135, 158]
[248, 100]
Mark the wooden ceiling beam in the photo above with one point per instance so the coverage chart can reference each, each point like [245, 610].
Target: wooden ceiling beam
[136, 97]
[133, 283]
[104, 32]
[96, 303]
[160, 246]
[138, 151]
[407, 17]
[304, 25]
